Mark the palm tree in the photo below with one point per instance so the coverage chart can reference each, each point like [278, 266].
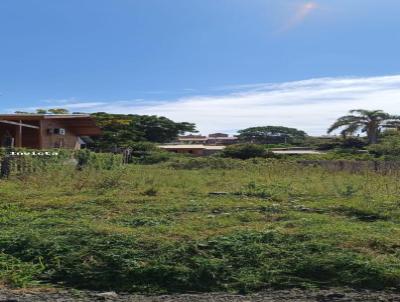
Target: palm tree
[369, 121]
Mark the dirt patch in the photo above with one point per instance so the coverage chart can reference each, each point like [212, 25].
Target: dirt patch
[333, 295]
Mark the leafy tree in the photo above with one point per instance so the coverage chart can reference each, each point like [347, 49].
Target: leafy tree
[369, 121]
[45, 111]
[388, 147]
[353, 143]
[244, 151]
[126, 130]
[339, 143]
[159, 129]
[58, 111]
[271, 135]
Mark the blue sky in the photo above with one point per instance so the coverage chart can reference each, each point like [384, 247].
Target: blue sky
[205, 61]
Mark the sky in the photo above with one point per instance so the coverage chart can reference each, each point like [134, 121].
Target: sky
[223, 64]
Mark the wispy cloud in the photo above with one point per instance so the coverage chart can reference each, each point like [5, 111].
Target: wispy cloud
[301, 13]
[311, 105]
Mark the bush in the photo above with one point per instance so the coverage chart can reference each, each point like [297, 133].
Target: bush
[338, 143]
[245, 151]
[16, 273]
[105, 161]
[138, 147]
[389, 147]
[148, 153]
[204, 163]
[354, 143]
[154, 157]
[245, 261]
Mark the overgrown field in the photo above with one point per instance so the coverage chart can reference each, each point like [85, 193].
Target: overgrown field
[157, 228]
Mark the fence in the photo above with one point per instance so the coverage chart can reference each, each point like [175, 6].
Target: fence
[383, 167]
[24, 162]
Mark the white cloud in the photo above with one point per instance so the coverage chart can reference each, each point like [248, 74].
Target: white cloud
[310, 105]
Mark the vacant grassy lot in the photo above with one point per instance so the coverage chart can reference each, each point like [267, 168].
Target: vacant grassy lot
[157, 228]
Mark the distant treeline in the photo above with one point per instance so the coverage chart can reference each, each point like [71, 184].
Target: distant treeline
[123, 130]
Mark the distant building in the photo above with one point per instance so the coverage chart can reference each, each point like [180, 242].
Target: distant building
[218, 135]
[43, 131]
[327, 137]
[194, 149]
[205, 150]
[192, 139]
[221, 140]
[215, 139]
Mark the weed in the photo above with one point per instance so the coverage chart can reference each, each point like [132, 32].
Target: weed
[156, 228]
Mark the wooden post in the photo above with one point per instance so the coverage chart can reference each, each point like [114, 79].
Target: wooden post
[5, 167]
[19, 135]
[41, 134]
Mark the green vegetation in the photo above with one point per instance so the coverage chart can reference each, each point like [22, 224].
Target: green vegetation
[337, 143]
[121, 130]
[388, 147]
[205, 224]
[243, 220]
[245, 151]
[46, 111]
[369, 121]
[271, 135]
[126, 130]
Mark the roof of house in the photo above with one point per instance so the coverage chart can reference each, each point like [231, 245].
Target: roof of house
[204, 138]
[198, 147]
[222, 138]
[80, 124]
[296, 152]
[34, 116]
[192, 138]
[288, 151]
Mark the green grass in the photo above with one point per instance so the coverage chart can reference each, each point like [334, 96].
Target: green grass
[156, 228]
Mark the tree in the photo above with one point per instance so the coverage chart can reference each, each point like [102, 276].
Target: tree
[271, 135]
[369, 121]
[388, 147]
[159, 129]
[244, 151]
[45, 111]
[41, 111]
[125, 130]
[58, 111]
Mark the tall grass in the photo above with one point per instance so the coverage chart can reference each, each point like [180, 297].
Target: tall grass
[157, 228]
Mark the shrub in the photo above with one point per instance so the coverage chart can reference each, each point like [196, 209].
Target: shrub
[244, 261]
[16, 273]
[245, 151]
[142, 146]
[354, 143]
[273, 192]
[193, 163]
[338, 143]
[105, 161]
[389, 147]
[148, 153]
[155, 157]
